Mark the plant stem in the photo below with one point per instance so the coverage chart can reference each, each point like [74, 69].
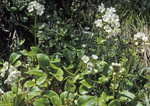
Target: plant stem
[35, 29]
[16, 99]
[114, 87]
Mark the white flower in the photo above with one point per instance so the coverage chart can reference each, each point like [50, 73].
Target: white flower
[107, 28]
[95, 56]
[145, 39]
[101, 8]
[85, 59]
[89, 65]
[120, 71]
[83, 45]
[110, 10]
[33, 3]
[123, 69]
[95, 70]
[40, 12]
[114, 73]
[5, 65]
[30, 9]
[99, 23]
[119, 64]
[111, 67]
[113, 64]
[12, 69]
[136, 43]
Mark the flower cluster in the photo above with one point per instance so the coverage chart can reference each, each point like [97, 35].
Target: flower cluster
[34, 5]
[116, 65]
[110, 21]
[140, 36]
[89, 64]
[13, 73]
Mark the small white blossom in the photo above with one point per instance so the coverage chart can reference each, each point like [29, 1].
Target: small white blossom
[114, 73]
[111, 67]
[85, 59]
[95, 70]
[83, 45]
[89, 65]
[101, 8]
[99, 23]
[5, 65]
[136, 43]
[94, 56]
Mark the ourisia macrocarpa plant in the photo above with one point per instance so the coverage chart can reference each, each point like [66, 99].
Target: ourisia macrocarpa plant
[74, 63]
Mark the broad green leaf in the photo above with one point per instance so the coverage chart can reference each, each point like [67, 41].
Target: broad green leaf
[56, 101]
[36, 72]
[127, 84]
[69, 55]
[125, 96]
[32, 94]
[41, 102]
[114, 103]
[41, 80]
[35, 88]
[58, 74]
[36, 50]
[17, 63]
[104, 97]
[49, 94]
[17, 100]
[86, 101]
[13, 57]
[103, 79]
[63, 96]
[84, 90]
[136, 103]
[7, 98]
[87, 82]
[29, 84]
[43, 60]
[69, 87]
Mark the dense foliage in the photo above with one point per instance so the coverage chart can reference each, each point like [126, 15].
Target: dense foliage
[74, 53]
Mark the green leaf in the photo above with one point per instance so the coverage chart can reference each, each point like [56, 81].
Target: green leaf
[136, 103]
[41, 102]
[114, 103]
[84, 90]
[29, 84]
[36, 72]
[32, 94]
[87, 82]
[69, 87]
[13, 57]
[127, 84]
[63, 96]
[17, 100]
[36, 50]
[56, 101]
[49, 94]
[17, 63]
[7, 98]
[41, 80]
[69, 55]
[86, 101]
[58, 74]
[103, 79]
[125, 96]
[43, 60]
